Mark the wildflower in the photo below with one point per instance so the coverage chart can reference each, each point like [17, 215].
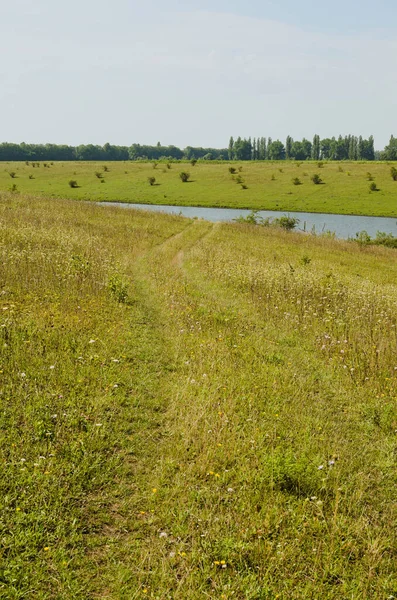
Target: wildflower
[22, 375]
[92, 342]
[52, 367]
[320, 467]
[46, 549]
[154, 490]
[230, 490]
[163, 534]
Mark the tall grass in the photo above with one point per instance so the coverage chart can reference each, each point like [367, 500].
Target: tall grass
[224, 428]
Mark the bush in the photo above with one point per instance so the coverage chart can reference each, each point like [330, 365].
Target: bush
[373, 187]
[106, 169]
[184, 176]
[239, 179]
[244, 187]
[232, 170]
[320, 165]
[296, 181]
[393, 173]
[31, 176]
[73, 183]
[118, 288]
[168, 165]
[151, 180]
[98, 174]
[285, 222]
[154, 165]
[12, 174]
[13, 188]
[193, 162]
[316, 179]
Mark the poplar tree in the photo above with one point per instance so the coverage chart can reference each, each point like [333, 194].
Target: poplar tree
[231, 148]
[288, 146]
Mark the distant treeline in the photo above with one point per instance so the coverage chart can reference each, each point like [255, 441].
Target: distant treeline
[348, 147]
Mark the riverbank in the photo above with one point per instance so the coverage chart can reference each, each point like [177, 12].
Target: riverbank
[280, 186]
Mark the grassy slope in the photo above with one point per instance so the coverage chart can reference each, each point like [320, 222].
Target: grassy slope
[182, 431]
[346, 188]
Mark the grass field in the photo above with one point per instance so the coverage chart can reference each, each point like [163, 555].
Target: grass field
[345, 189]
[193, 410]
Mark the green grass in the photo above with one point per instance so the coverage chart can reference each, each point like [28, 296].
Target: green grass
[345, 189]
[191, 410]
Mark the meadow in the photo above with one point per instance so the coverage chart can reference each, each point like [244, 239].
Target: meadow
[193, 410]
[345, 186]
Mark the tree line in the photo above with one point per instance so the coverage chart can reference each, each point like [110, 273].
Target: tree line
[349, 147]
[108, 152]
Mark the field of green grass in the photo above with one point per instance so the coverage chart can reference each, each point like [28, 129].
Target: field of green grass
[269, 185]
[193, 410]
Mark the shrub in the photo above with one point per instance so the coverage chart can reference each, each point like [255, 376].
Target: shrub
[273, 177]
[13, 188]
[373, 187]
[73, 183]
[151, 180]
[154, 165]
[232, 170]
[98, 174]
[106, 169]
[193, 162]
[320, 165]
[369, 177]
[168, 165]
[281, 170]
[12, 174]
[393, 173]
[340, 169]
[316, 179]
[239, 179]
[363, 238]
[31, 176]
[244, 186]
[296, 181]
[285, 222]
[184, 176]
[118, 288]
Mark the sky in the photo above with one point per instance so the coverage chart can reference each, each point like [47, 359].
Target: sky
[195, 73]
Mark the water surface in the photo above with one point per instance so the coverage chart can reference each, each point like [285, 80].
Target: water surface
[344, 226]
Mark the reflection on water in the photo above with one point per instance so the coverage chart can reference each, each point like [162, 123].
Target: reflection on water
[343, 226]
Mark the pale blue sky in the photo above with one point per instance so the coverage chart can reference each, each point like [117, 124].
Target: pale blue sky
[196, 72]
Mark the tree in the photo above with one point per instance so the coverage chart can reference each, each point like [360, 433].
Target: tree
[276, 150]
[230, 151]
[288, 147]
[315, 155]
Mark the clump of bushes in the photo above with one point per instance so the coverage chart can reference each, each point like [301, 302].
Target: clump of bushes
[184, 176]
[316, 179]
[382, 239]
[285, 222]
